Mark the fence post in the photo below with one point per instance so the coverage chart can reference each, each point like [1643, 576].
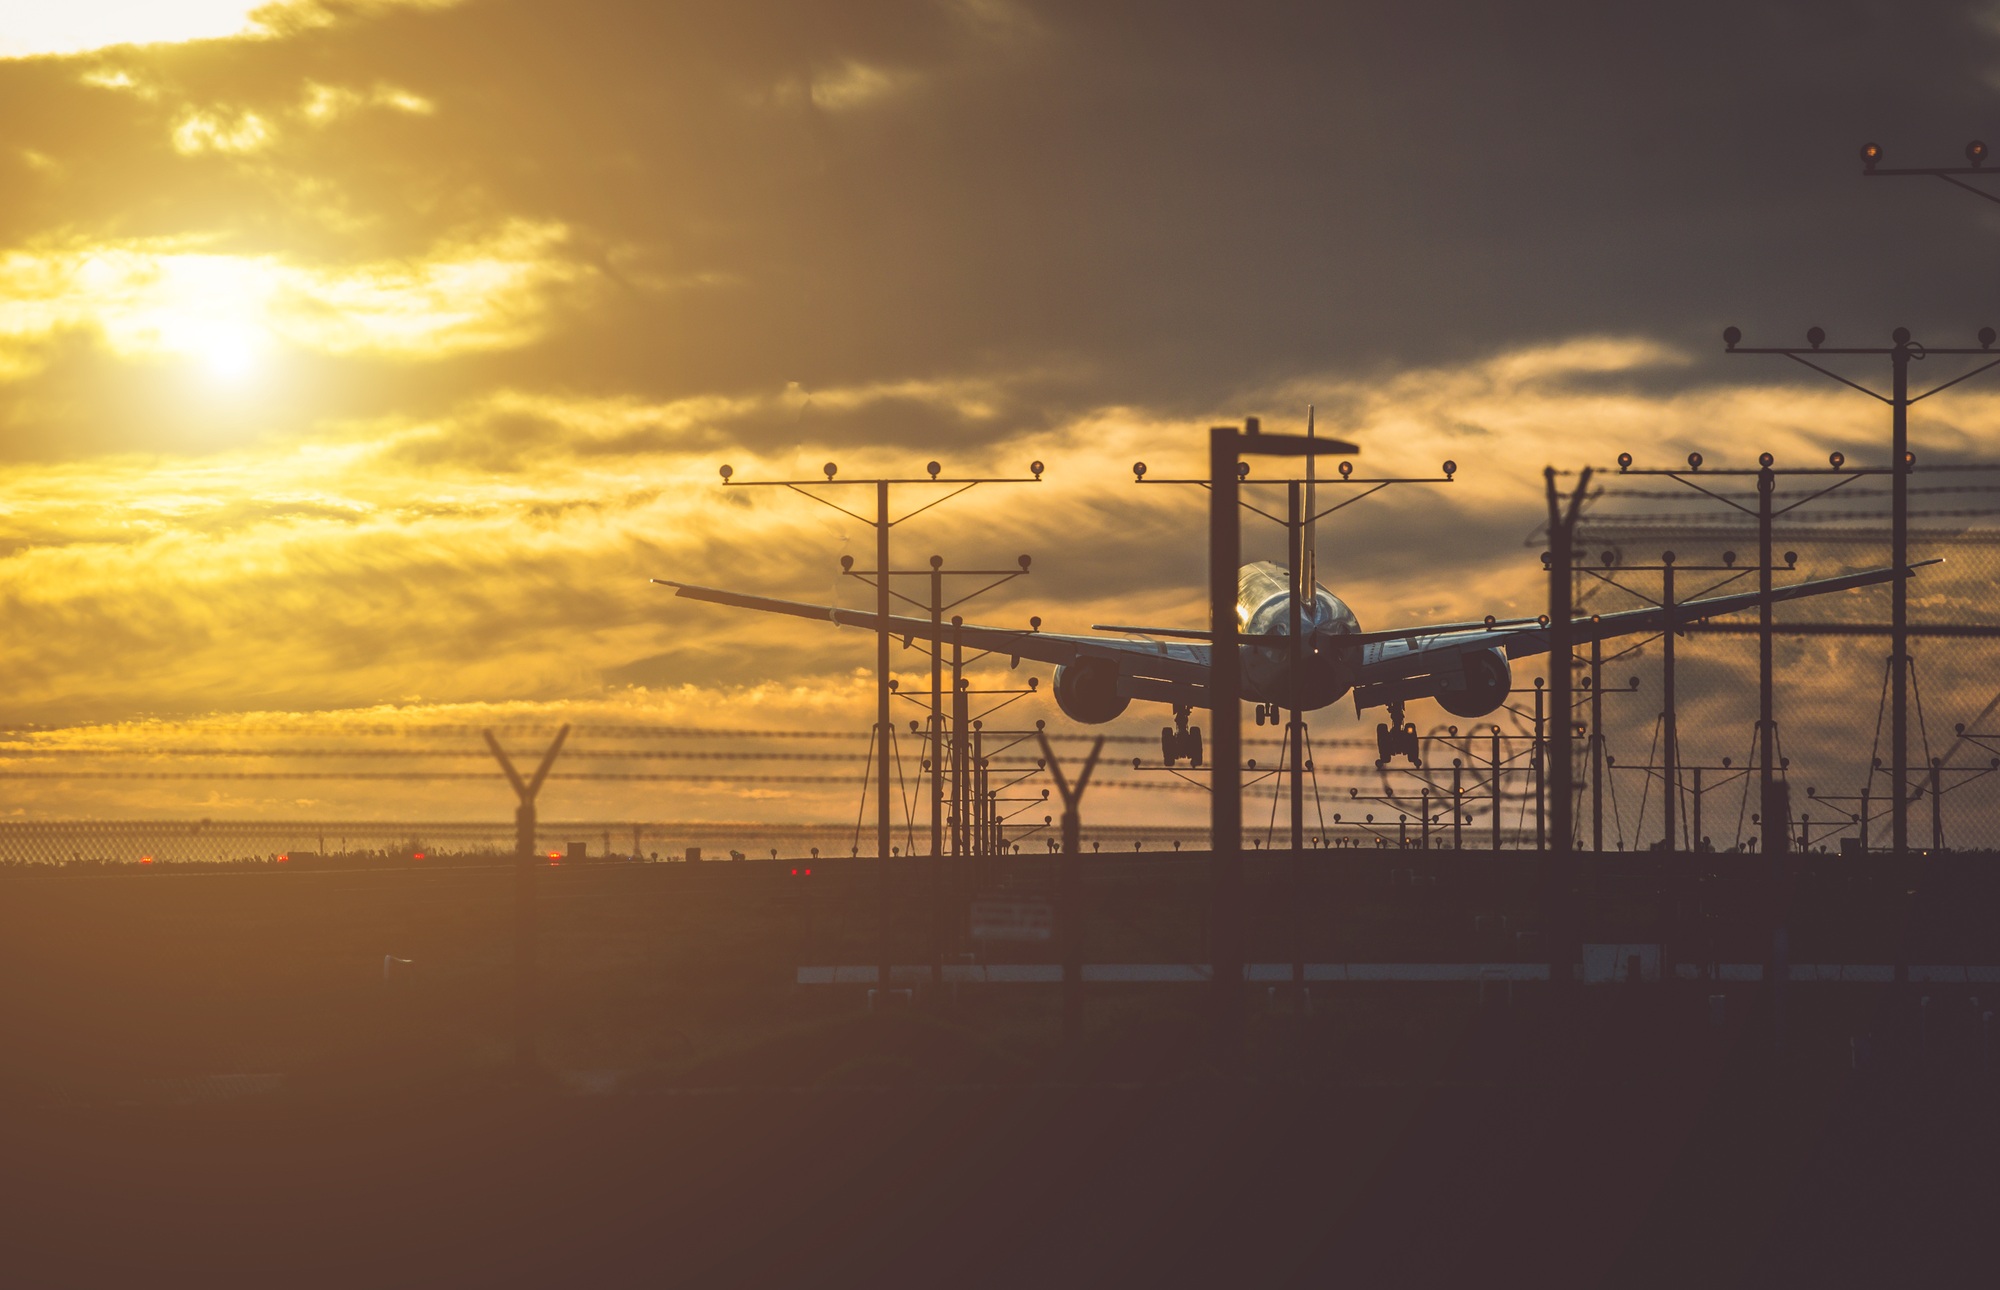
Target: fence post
[527, 864]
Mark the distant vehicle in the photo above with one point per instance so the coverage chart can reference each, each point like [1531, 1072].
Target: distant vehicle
[1465, 666]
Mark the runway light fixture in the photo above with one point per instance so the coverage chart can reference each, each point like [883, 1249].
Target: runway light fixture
[1815, 336]
[1346, 469]
[1986, 337]
[1900, 336]
[930, 466]
[1035, 468]
[1450, 469]
[1836, 460]
[1694, 461]
[830, 469]
[1138, 470]
[1870, 154]
[727, 471]
[1975, 152]
[1624, 461]
[1766, 460]
[1730, 335]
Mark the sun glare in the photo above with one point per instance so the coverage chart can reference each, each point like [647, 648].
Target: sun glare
[230, 351]
[30, 27]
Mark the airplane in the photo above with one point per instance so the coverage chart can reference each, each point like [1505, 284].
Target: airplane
[1465, 666]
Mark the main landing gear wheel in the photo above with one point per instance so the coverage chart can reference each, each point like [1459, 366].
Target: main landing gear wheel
[1179, 741]
[1397, 739]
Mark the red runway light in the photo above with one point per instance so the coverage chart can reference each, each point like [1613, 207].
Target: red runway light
[282, 859]
[795, 873]
[418, 856]
[145, 859]
[809, 873]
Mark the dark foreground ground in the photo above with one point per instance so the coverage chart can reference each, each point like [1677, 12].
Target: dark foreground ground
[209, 1082]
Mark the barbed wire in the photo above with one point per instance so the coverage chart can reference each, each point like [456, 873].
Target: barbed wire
[480, 754]
[606, 777]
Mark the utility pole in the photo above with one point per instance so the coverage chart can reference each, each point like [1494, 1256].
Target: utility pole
[937, 606]
[881, 523]
[1226, 447]
[1670, 717]
[1900, 352]
[1539, 759]
[1496, 790]
[1562, 635]
[1596, 749]
[527, 864]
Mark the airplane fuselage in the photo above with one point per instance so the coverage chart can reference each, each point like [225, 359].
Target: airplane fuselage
[1264, 608]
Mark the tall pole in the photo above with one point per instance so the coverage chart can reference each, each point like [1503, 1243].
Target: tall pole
[1069, 891]
[1767, 730]
[978, 785]
[937, 919]
[1670, 718]
[1541, 771]
[882, 814]
[1457, 803]
[959, 734]
[1777, 834]
[1295, 729]
[1562, 638]
[1937, 804]
[1899, 611]
[1496, 790]
[1226, 723]
[1596, 746]
[1694, 838]
[527, 865]
[1562, 635]
[937, 707]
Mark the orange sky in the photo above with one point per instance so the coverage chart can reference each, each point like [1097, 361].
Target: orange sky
[361, 361]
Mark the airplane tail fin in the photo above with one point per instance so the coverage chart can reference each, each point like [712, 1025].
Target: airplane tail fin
[1309, 572]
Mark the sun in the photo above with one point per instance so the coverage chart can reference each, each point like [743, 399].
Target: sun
[229, 351]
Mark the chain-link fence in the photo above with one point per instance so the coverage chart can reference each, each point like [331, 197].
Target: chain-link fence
[1831, 695]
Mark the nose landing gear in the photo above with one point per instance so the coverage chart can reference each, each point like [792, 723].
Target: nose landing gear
[1178, 741]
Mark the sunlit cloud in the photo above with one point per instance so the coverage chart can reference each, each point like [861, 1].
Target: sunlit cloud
[324, 104]
[31, 28]
[853, 84]
[171, 298]
[243, 132]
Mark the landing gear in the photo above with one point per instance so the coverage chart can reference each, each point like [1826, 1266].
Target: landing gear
[1177, 741]
[1396, 738]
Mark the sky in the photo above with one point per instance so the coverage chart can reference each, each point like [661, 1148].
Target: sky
[360, 362]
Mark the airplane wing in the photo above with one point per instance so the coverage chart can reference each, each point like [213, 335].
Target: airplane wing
[1170, 673]
[1389, 656]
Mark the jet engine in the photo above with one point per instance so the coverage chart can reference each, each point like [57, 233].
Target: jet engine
[1087, 691]
[1482, 686]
